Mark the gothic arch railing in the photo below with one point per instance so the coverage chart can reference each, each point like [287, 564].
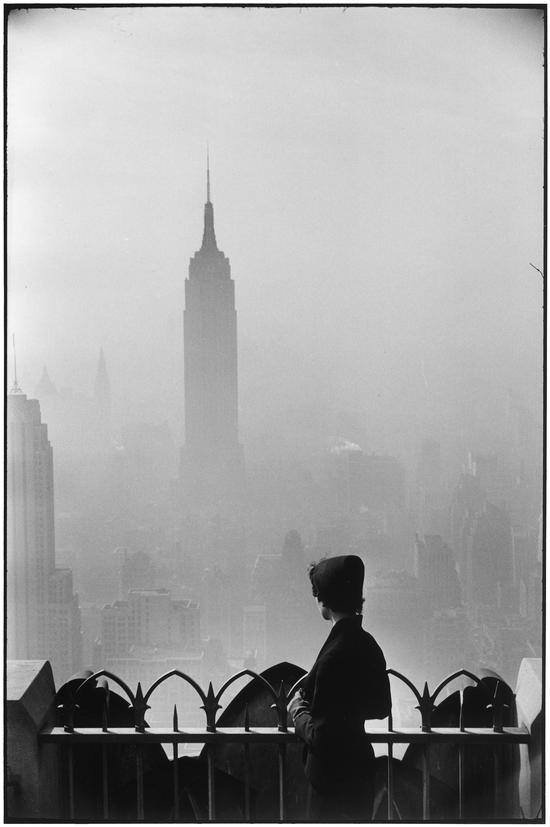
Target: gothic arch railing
[426, 700]
[280, 737]
[139, 700]
[210, 699]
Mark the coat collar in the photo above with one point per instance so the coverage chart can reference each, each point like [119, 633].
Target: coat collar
[343, 627]
[340, 629]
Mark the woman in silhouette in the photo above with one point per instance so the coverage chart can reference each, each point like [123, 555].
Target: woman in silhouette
[347, 685]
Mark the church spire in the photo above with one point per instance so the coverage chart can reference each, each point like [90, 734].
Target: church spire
[208, 236]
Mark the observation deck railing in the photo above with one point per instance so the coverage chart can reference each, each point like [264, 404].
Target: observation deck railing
[67, 737]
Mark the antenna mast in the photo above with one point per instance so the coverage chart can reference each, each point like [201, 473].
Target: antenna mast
[15, 387]
[207, 174]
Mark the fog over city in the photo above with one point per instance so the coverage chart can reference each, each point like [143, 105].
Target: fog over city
[376, 176]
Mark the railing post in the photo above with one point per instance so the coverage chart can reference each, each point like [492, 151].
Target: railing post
[211, 784]
[175, 767]
[105, 782]
[462, 728]
[246, 767]
[281, 707]
[282, 782]
[426, 783]
[139, 784]
[70, 782]
[390, 771]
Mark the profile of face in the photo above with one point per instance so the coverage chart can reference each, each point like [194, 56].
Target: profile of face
[324, 611]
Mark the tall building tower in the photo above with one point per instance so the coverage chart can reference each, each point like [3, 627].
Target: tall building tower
[212, 464]
[101, 415]
[43, 615]
[30, 527]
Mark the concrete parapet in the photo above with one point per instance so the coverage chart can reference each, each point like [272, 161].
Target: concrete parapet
[33, 770]
[529, 711]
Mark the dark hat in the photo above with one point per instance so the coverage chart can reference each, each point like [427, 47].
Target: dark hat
[339, 580]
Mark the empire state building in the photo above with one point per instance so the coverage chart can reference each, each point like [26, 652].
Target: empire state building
[212, 459]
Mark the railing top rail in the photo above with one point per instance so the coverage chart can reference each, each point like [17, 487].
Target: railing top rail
[201, 735]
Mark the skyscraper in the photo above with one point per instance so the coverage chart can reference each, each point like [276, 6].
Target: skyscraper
[100, 424]
[30, 512]
[43, 614]
[212, 463]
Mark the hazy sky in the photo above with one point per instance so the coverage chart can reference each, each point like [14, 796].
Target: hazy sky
[377, 186]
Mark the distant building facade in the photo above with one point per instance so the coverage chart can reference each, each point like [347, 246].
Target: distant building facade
[148, 635]
[79, 424]
[255, 636]
[149, 618]
[64, 624]
[137, 571]
[429, 500]
[435, 570]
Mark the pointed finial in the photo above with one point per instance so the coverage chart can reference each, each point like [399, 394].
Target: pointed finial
[15, 387]
[498, 706]
[281, 707]
[426, 707]
[207, 174]
[211, 706]
[140, 707]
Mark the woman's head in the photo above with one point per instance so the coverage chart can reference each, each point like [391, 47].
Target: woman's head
[337, 583]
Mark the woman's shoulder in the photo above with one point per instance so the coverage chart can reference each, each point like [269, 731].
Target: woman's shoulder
[371, 645]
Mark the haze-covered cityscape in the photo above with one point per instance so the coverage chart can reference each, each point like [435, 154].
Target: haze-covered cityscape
[275, 291]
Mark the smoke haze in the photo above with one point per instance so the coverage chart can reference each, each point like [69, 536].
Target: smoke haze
[377, 181]
[377, 185]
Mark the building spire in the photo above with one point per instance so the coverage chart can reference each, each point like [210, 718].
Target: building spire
[102, 387]
[207, 175]
[208, 236]
[15, 387]
[45, 387]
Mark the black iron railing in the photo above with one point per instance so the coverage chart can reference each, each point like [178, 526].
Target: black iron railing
[140, 736]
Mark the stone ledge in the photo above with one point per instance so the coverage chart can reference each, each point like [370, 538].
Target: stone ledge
[28, 684]
[33, 770]
[529, 691]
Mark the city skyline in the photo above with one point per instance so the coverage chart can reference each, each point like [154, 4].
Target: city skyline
[389, 402]
[408, 204]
